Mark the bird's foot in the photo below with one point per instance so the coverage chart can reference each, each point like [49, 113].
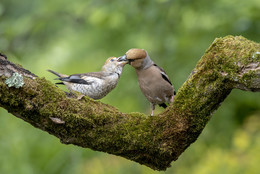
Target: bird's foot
[152, 112]
[172, 98]
[153, 108]
[70, 94]
[80, 97]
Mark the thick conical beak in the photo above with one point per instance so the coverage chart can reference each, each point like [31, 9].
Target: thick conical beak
[123, 59]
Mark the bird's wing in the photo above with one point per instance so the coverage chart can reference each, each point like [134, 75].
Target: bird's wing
[86, 78]
[98, 75]
[163, 73]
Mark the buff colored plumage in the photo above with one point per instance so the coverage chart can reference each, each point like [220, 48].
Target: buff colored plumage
[153, 81]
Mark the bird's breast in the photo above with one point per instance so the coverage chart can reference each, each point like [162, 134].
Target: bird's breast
[95, 90]
[154, 87]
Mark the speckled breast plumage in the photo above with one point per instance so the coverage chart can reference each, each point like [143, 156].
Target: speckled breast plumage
[95, 90]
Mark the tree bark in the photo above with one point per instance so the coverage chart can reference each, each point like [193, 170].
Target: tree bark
[230, 62]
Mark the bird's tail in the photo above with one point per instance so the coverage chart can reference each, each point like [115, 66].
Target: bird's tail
[55, 73]
[59, 75]
[163, 105]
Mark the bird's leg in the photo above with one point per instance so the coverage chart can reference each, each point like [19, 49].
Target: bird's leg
[172, 98]
[75, 94]
[153, 107]
[80, 97]
[70, 94]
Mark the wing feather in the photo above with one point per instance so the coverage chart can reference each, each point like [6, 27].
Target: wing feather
[163, 73]
[86, 78]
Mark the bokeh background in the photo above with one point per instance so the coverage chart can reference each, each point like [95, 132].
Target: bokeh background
[77, 36]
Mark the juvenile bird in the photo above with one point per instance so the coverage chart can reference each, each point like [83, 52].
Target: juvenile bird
[153, 81]
[94, 84]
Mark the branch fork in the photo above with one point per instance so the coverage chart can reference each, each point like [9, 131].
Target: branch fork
[230, 62]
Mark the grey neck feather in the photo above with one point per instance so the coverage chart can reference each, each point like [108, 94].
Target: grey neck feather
[147, 62]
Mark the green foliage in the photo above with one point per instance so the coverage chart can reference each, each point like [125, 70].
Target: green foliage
[77, 36]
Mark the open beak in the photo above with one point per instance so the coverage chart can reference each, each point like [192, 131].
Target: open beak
[123, 59]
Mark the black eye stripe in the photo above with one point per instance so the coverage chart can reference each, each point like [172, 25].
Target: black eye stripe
[131, 60]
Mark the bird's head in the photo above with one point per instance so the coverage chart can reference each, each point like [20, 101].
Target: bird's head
[138, 58]
[114, 65]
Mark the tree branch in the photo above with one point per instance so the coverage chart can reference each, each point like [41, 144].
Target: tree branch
[230, 62]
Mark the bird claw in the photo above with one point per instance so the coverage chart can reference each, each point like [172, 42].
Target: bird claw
[80, 97]
[151, 114]
[73, 95]
[70, 94]
[172, 98]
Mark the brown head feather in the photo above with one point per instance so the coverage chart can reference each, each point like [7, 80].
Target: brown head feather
[136, 53]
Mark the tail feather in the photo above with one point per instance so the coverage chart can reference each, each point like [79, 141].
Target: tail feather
[60, 76]
[57, 74]
[163, 105]
[60, 83]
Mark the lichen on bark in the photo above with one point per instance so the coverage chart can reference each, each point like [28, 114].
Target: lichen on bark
[230, 62]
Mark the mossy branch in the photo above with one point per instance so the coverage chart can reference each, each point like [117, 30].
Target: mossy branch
[230, 62]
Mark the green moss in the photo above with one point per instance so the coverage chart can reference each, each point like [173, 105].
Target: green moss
[153, 141]
[215, 75]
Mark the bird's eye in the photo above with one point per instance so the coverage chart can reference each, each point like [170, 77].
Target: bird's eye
[111, 60]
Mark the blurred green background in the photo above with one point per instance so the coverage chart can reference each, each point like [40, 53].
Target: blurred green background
[77, 36]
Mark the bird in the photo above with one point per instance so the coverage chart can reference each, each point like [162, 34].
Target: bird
[96, 85]
[153, 80]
